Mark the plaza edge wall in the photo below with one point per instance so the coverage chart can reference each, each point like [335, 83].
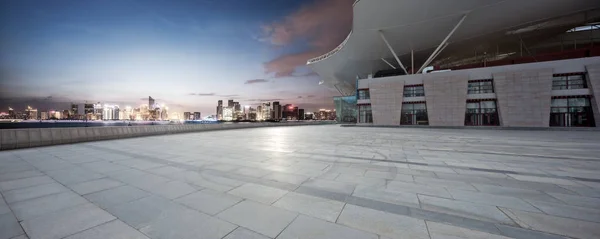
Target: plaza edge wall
[528, 84]
[34, 137]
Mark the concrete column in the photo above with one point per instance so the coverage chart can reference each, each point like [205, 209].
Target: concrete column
[523, 97]
[386, 101]
[9, 139]
[593, 80]
[446, 99]
[35, 137]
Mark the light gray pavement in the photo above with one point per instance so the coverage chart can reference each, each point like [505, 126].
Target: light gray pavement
[308, 182]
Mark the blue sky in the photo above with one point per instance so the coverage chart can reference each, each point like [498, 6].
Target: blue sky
[187, 54]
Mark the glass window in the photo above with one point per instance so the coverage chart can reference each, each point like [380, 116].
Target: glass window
[571, 112]
[414, 91]
[413, 114]
[569, 82]
[482, 113]
[480, 87]
[365, 114]
[364, 94]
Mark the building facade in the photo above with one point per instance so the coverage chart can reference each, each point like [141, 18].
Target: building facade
[561, 93]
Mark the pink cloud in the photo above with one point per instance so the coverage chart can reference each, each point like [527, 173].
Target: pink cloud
[324, 24]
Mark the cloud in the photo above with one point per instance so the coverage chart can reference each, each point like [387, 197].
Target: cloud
[228, 95]
[263, 100]
[202, 94]
[299, 97]
[310, 96]
[255, 81]
[323, 24]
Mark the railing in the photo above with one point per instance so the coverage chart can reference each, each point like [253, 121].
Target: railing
[330, 53]
[355, 2]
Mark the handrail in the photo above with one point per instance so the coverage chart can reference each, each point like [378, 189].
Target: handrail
[330, 53]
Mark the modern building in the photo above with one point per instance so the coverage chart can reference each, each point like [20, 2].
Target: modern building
[197, 116]
[151, 102]
[301, 114]
[187, 115]
[276, 114]
[228, 113]
[220, 110]
[469, 63]
[74, 110]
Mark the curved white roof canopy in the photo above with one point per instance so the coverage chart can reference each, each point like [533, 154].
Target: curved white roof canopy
[422, 25]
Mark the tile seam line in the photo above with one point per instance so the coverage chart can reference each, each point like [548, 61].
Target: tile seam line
[349, 196]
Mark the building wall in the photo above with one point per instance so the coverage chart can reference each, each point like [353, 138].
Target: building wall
[523, 97]
[523, 92]
[386, 101]
[446, 99]
[594, 85]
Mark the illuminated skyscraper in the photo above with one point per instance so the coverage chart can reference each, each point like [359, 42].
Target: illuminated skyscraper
[228, 113]
[220, 110]
[150, 102]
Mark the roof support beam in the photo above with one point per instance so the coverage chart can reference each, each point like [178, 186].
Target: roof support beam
[393, 52]
[390, 64]
[442, 45]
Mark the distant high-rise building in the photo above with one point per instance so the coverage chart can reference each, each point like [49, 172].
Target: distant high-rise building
[66, 114]
[220, 110]
[197, 116]
[230, 103]
[74, 110]
[11, 113]
[44, 115]
[228, 113]
[116, 112]
[150, 102]
[295, 113]
[301, 114]
[187, 115]
[31, 113]
[276, 115]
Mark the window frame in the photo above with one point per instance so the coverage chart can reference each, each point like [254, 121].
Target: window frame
[365, 93]
[484, 86]
[414, 91]
[417, 115]
[570, 81]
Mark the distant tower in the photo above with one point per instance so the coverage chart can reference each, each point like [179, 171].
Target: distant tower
[150, 102]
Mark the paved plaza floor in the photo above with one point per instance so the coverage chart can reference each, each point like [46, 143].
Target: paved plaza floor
[308, 182]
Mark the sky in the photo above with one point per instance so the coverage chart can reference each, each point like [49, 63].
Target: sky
[185, 54]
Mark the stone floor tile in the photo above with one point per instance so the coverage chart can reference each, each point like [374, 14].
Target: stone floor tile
[94, 186]
[24, 182]
[19, 175]
[20, 237]
[28, 209]
[360, 180]
[258, 193]
[382, 223]
[252, 172]
[166, 170]
[73, 175]
[313, 206]
[380, 194]
[187, 224]
[562, 210]
[115, 196]
[139, 164]
[465, 209]
[408, 187]
[200, 180]
[286, 177]
[9, 226]
[33, 192]
[243, 233]
[552, 224]
[444, 183]
[66, 222]
[329, 185]
[114, 229]
[516, 192]
[103, 167]
[539, 179]
[492, 199]
[576, 200]
[443, 231]
[142, 212]
[209, 201]
[266, 220]
[3, 207]
[171, 190]
[305, 227]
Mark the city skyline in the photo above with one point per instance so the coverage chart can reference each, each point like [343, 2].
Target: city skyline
[186, 54]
